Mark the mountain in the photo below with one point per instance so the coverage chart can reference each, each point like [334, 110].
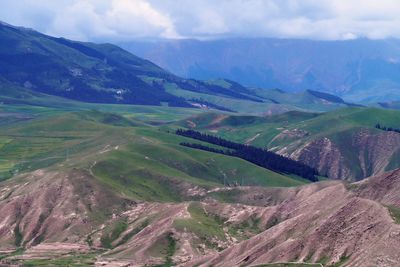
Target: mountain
[342, 144]
[389, 105]
[34, 64]
[98, 73]
[358, 70]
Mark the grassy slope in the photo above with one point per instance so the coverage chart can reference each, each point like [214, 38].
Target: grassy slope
[242, 106]
[258, 130]
[339, 126]
[303, 100]
[331, 124]
[138, 161]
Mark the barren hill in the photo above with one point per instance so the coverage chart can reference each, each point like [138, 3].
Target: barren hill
[59, 214]
[329, 225]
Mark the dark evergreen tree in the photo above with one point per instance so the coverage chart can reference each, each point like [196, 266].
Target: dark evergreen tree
[389, 129]
[258, 156]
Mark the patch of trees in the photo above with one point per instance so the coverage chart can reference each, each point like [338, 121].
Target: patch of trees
[209, 139]
[255, 155]
[205, 148]
[389, 129]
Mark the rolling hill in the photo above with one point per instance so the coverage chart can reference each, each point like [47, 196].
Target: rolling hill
[45, 141]
[342, 144]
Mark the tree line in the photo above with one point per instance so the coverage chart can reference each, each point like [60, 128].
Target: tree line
[389, 129]
[255, 155]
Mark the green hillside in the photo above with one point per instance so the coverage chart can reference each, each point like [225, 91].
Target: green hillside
[243, 128]
[31, 62]
[255, 130]
[361, 149]
[135, 159]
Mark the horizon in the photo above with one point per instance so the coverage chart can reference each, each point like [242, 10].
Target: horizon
[160, 39]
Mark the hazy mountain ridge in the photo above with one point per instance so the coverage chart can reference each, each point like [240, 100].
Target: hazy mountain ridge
[358, 70]
[98, 73]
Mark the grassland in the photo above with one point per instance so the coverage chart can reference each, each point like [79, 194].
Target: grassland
[291, 131]
[149, 114]
[152, 166]
[77, 260]
[149, 162]
[272, 100]
[124, 151]
[260, 131]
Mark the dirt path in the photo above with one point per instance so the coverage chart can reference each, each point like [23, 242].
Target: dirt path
[218, 119]
[248, 141]
[191, 124]
[91, 168]
[293, 263]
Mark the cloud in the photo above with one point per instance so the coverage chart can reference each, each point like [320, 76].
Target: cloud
[90, 19]
[316, 19]
[139, 18]
[128, 19]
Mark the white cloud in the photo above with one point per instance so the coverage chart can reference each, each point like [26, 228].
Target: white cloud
[90, 19]
[139, 18]
[125, 19]
[80, 21]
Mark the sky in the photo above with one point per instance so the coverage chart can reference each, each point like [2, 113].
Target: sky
[124, 20]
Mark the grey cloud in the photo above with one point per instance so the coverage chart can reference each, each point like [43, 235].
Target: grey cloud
[127, 19]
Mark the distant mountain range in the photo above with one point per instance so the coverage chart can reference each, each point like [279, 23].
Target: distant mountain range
[32, 63]
[358, 70]
[101, 73]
